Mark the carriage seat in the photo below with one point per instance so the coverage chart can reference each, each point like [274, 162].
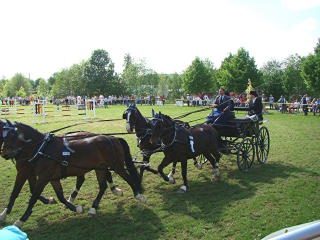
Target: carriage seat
[240, 120]
[248, 119]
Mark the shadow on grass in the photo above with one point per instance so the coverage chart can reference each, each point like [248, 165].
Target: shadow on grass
[134, 222]
[207, 200]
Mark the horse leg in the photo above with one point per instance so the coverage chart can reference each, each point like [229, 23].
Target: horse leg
[214, 164]
[146, 166]
[38, 189]
[115, 190]
[59, 192]
[185, 186]
[18, 184]
[165, 162]
[135, 189]
[79, 182]
[173, 171]
[32, 182]
[102, 180]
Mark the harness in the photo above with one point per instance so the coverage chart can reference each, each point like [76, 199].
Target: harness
[176, 139]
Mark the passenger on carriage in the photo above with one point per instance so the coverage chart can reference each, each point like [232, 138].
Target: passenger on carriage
[255, 105]
[223, 109]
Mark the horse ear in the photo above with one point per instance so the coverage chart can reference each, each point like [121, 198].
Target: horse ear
[10, 124]
[152, 112]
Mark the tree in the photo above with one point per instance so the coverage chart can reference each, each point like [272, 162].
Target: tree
[138, 79]
[235, 71]
[293, 84]
[272, 78]
[163, 87]
[310, 70]
[175, 86]
[21, 92]
[197, 78]
[17, 82]
[61, 88]
[99, 74]
[42, 88]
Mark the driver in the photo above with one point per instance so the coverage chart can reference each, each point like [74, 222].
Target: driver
[223, 107]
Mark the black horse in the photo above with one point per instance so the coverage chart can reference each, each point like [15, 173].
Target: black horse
[135, 121]
[25, 172]
[180, 144]
[52, 161]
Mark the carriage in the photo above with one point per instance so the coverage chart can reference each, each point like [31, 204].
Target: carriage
[245, 138]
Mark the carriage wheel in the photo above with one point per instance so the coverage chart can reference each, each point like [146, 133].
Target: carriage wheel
[263, 144]
[245, 154]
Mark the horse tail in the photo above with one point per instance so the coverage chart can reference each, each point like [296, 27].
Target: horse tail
[130, 165]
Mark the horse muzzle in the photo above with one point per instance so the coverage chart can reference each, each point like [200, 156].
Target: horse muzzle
[129, 128]
[10, 154]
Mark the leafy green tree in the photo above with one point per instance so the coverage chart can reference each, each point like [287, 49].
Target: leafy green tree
[138, 79]
[235, 71]
[3, 83]
[311, 71]
[61, 87]
[16, 82]
[293, 83]
[99, 74]
[42, 89]
[163, 86]
[21, 92]
[197, 77]
[272, 78]
[175, 86]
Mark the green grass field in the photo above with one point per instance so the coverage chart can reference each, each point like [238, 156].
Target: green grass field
[284, 192]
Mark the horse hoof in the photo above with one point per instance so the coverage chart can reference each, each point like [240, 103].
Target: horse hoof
[215, 178]
[117, 191]
[92, 212]
[52, 200]
[141, 198]
[18, 223]
[199, 166]
[182, 189]
[79, 209]
[172, 180]
[3, 215]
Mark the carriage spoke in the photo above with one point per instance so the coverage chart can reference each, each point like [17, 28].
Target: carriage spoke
[245, 155]
[263, 145]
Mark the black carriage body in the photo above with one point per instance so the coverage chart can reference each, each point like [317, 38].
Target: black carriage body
[244, 137]
[238, 128]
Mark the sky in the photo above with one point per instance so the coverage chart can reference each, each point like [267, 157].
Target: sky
[41, 37]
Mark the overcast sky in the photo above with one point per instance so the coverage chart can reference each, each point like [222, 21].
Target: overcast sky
[40, 37]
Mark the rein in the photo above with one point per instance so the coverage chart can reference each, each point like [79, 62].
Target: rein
[81, 123]
[187, 114]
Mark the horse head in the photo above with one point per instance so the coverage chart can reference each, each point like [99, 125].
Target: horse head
[159, 125]
[2, 125]
[129, 115]
[17, 137]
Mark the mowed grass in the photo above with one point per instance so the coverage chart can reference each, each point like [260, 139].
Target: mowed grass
[281, 193]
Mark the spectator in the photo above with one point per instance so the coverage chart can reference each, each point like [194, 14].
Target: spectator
[271, 101]
[304, 104]
[294, 106]
[283, 104]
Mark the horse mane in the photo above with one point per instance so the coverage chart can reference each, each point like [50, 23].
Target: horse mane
[28, 130]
